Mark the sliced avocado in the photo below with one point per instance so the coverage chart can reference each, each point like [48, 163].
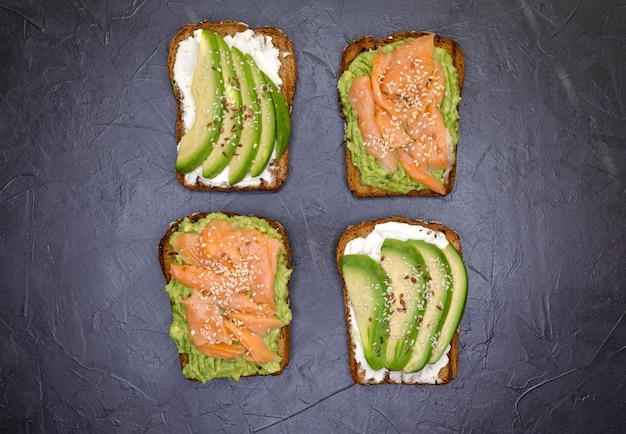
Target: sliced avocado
[367, 285]
[207, 85]
[230, 131]
[268, 119]
[437, 300]
[454, 312]
[407, 270]
[251, 116]
[283, 121]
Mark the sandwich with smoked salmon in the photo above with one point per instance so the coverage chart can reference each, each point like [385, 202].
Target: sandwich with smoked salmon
[227, 279]
[399, 97]
[234, 88]
[405, 288]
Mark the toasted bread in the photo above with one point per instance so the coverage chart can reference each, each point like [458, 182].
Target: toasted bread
[167, 255]
[358, 372]
[369, 43]
[287, 73]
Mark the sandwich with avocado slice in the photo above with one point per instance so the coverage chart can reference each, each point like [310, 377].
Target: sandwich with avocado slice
[399, 97]
[227, 280]
[234, 88]
[405, 289]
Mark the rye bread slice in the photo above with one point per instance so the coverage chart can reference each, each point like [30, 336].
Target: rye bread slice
[369, 43]
[287, 73]
[167, 256]
[361, 230]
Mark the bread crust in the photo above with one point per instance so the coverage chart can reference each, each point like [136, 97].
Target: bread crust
[369, 43]
[287, 73]
[361, 230]
[167, 255]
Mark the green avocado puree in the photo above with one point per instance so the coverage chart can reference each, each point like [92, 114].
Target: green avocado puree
[372, 173]
[204, 368]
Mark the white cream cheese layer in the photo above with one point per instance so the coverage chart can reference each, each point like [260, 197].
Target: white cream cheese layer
[266, 56]
[370, 246]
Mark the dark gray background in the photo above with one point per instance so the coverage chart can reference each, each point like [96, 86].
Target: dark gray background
[87, 188]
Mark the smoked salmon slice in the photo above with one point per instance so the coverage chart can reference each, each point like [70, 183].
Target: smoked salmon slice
[193, 276]
[256, 349]
[257, 324]
[261, 253]
[221, 351]
[220, 241]
[205, 320]
[437, 85]
[242, 302]
[380, 63]
[410, 69]
[429, 132]
[187, 245]
[392, 129]
[418, 173]
[219, 283]
[362, 100]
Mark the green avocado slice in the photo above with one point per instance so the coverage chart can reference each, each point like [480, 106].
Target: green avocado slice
[251, 116]
[207, 85]
[283, 121]
[230, 131]
[437, 301]
[268, 119]
[367, 285]
[407, 270]
[454, 312]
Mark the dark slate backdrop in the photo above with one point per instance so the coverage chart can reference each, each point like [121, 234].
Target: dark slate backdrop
[87, 188]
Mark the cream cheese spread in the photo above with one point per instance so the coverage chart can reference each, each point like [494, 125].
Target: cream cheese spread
[266, 56]
[370, 246]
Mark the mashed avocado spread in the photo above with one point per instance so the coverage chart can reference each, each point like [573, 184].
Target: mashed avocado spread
[372, 173]
[204, 368]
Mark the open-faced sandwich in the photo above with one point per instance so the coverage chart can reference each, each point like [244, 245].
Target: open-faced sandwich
[399, 97]
[405, 288]
[227, 279]
[234, 87]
